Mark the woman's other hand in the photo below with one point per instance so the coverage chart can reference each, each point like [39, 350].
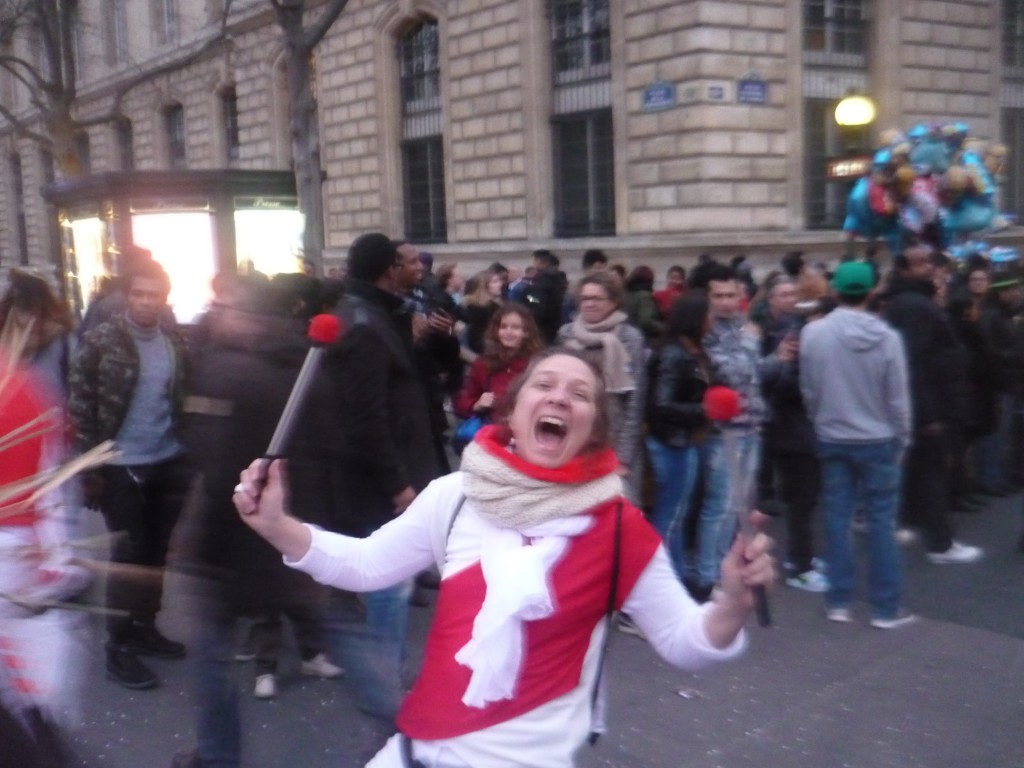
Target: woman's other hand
[748, 564]
[485, 402]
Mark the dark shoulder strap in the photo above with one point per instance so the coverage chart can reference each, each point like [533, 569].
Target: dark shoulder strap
[455, 514]
[613, 594]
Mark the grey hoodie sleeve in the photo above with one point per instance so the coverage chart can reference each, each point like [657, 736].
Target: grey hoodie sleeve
[897, 386]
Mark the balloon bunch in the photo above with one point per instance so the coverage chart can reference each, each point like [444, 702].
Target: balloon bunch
[935, 182]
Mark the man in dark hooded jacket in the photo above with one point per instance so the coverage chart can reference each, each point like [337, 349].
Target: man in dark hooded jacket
[938, 389]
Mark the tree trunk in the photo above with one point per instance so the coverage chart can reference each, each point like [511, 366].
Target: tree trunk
[305, 135]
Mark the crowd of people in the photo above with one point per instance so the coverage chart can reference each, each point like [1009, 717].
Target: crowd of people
[869, 402]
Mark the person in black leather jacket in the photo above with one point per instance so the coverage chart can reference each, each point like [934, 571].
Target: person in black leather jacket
[789, 442]
[678, 376]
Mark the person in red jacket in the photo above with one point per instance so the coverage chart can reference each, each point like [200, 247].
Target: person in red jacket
[510, 340]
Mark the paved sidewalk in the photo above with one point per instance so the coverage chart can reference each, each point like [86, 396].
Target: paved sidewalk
[946, 692]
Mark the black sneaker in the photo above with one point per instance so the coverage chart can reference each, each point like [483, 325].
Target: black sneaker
[125, 669]
[146, 640]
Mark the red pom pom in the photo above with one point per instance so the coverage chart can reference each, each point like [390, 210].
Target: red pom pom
[324, 329]
[721, 403]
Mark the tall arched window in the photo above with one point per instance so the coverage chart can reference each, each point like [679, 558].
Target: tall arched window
[125, 136]
[18, 190]
[835, 39]
[1012, 103]
[83, 148]
[582, 139]
[174, 130]
[116, 22]
[422, 144]
[229, 122]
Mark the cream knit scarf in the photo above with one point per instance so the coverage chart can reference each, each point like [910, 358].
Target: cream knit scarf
[614, 363]
[536, 512]
[507, 497]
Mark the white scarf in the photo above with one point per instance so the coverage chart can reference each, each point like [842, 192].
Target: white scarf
[534, 521]
[517, 574]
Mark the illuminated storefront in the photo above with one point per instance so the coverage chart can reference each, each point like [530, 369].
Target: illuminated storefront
[195, 223]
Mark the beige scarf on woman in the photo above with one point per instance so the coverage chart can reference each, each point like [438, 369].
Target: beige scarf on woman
[615, 365]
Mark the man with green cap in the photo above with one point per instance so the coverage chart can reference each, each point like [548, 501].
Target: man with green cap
[853, 377]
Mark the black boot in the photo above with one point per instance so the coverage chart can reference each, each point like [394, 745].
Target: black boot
[125, 669]
[146, 640]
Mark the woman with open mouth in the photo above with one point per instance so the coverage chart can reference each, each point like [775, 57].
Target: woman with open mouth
[537, 547]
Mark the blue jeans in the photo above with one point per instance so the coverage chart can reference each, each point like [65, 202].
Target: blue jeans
[871, 470]
[675, 473]
[716, 527]
[367, 635]
[992, 451]
[214, 674]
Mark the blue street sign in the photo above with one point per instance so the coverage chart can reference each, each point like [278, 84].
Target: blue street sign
[751, 90]
[659, 95]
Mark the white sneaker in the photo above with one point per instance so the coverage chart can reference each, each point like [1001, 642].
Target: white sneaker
[841, 615]
[905, 536]
[320, 666]
[957, 553]
[266, 687]
[901, 619]
[809, 581]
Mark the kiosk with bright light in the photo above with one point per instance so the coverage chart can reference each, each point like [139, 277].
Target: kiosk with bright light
[195, 223]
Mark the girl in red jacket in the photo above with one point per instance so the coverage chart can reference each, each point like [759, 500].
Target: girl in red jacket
[510, 340]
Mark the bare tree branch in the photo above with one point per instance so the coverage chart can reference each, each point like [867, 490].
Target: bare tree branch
[21, 70]
[22, 128]
[323, 24]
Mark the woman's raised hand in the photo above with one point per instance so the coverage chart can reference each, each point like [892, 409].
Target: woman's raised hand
[261, 501]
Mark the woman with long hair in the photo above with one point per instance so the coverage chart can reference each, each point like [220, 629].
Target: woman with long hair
[30, 310]
[603, 335]
[536, 547]
[479, 306]
[511, 340]
[680, 374]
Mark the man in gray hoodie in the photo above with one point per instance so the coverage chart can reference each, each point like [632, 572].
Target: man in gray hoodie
[853, 377]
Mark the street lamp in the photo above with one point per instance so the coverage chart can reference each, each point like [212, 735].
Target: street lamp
[853, 116]
[855, 111]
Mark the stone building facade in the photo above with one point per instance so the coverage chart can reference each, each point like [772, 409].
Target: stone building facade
[653, 129]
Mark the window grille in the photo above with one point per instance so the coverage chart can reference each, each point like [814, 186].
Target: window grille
[232, 140]
[836, 32]
[83, 149]
[582, 139]
[423, 178]
[584, 174]
[824, 199]
[125, 144]
[18, 188]
[174, 126]
[1013, 37]
[1012, 190]
[117, 31]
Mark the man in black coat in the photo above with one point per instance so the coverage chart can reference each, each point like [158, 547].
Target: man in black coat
[382, 453]
[240, 383]
[788, 438]
[938, 391]
[546, 294]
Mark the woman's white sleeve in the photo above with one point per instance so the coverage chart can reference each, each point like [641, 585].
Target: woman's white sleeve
[391, 554]
[671, 621]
